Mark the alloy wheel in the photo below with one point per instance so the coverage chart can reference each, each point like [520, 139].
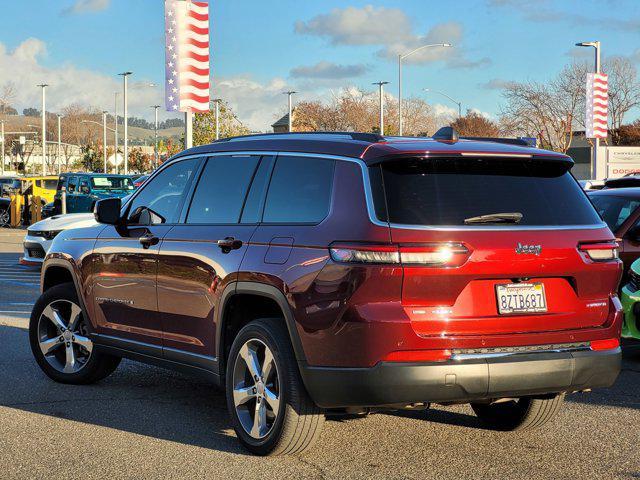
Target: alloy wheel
[5, 218]
[256, 388]
[62, 336]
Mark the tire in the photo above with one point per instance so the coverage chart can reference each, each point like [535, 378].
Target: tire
[298, 420]
[5, 217]
[89, 365]
[521, 414]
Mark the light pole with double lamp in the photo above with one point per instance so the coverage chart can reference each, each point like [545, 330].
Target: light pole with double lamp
[44, 129]
[155, 136]
[402, 56]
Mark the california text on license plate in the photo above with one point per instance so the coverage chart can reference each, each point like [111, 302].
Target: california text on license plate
[521, 298]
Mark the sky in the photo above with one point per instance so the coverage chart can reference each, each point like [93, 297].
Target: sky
[316, 47]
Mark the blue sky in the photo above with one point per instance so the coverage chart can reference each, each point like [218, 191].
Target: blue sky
[260, 48]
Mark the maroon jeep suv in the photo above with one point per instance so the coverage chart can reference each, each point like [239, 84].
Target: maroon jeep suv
[344, 273]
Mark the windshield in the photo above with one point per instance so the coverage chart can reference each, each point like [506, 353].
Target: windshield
[111, 183]
[456, 192]
[614, 210]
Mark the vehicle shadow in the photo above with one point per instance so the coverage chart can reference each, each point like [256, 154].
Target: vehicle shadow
[135, 398]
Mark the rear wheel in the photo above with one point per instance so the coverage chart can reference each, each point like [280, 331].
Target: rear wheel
[520, 414]
[58, 333]
[271, 411]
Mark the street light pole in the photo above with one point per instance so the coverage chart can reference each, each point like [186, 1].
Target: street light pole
[104, 139]
[155, 137]
[289, 93]
[445, 95]
[44, 128]
[115, 134]
[126, 139]
[596, 141]
[381, 91]
[216, 101]
[59, 142]
[2, 140]
[401, 57]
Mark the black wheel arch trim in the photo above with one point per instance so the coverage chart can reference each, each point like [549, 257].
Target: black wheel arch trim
[69, 266]
[264, 290]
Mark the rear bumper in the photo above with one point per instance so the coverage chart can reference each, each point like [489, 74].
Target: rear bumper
[462, 381]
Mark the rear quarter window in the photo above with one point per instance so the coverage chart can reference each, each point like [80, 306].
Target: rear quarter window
[446, 192]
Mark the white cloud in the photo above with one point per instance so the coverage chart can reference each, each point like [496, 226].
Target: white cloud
[394, 31]
[495, 84]
[86, 6]
[329, 70]
[68, 83]
[359, 26]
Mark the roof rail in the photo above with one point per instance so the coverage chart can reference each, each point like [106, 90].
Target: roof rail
[508, 141]
[361, 136]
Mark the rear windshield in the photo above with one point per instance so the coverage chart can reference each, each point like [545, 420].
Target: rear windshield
[455, 192]
[614, 210]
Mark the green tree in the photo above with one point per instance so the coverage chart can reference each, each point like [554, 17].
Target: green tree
[204, 125]
[139, 162]
[92, 158]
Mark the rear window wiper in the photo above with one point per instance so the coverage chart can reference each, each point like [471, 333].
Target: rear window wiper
[507, 217]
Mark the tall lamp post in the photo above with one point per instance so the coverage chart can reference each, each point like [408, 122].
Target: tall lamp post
[115, 133]
[126, 139]
[289, 94]
[596, 141]
[155, 136]
[59, 142]
[381, 92]
[445, 95]
[401, 57]
[216, 102]
[104, 139]
[2, 141]
[44, 128]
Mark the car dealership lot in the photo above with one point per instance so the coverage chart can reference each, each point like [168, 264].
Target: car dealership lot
[144, 422]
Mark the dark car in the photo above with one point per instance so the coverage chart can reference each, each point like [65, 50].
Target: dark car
[331, 273]
[82, 190]
[619, 208]
[5, 212]
[139, 180]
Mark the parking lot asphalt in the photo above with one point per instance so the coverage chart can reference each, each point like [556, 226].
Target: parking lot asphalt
[144, 422]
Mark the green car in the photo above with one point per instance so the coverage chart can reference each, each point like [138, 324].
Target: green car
[630, 298]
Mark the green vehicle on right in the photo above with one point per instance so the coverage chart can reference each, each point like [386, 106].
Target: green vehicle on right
[630, 297]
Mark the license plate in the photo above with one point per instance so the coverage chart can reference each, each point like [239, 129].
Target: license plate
[521, 298]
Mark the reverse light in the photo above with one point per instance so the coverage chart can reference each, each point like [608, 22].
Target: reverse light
[418, 356]
[601, 251]
[607, 344]
[443, 254]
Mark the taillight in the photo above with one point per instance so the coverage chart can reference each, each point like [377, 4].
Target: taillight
[600, 251]
[418, 356]
[443, 254]
[434, 254]
[380, 254]
[608, 344]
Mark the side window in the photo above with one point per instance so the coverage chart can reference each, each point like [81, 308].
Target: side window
[300, 190]
[73, 182]
[222, 188]
[38, 183]
[160, 199]
[84, 186]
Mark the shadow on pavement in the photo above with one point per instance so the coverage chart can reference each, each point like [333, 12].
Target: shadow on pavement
[135, 398]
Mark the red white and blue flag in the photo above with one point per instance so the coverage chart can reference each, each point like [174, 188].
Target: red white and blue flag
[597, 105]
[187, 56]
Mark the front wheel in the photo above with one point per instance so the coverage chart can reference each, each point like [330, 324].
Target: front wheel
[520, 414]
[58, 333]
[270, 408]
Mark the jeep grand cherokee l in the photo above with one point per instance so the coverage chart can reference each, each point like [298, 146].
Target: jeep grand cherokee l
[315, 273]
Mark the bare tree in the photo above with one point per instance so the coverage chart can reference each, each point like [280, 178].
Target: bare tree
[7, 95]
[624, 92]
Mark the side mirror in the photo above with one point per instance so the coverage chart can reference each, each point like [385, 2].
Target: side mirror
[107, 211]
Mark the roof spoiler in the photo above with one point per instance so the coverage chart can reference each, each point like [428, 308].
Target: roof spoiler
[361, 136]
[509, 141]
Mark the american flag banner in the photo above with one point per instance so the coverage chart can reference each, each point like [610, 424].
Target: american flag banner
[187, 56]
[597, 105]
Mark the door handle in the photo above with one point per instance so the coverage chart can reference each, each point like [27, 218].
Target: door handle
[229, 243]
[149, 240]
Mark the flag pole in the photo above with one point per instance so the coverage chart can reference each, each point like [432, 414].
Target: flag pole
[188, 129]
